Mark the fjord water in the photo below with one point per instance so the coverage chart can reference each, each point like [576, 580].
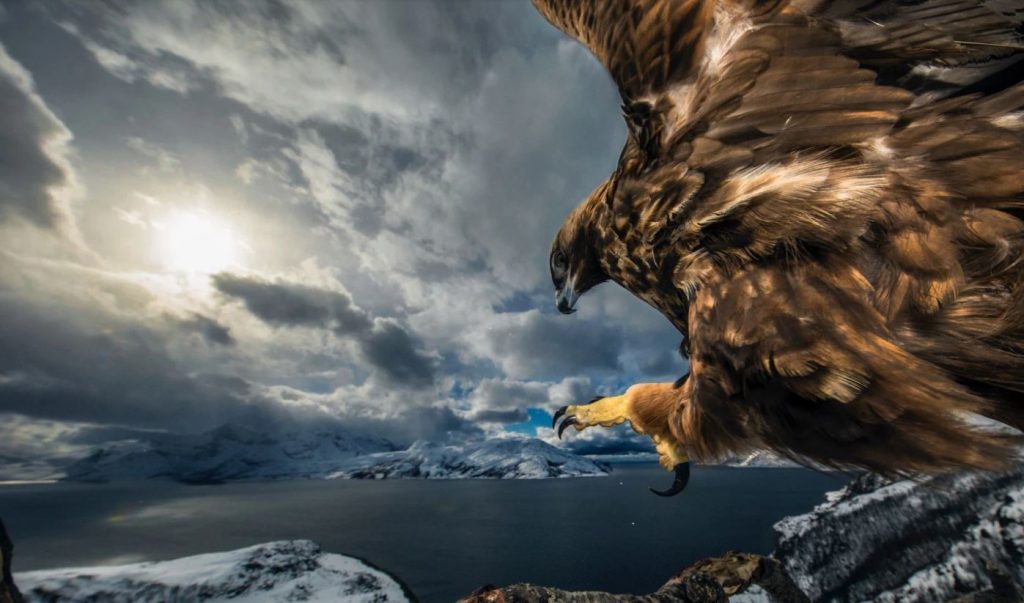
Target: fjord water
[442, 538]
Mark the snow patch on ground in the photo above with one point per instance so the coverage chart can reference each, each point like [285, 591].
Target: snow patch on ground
[909, 542]
[278, 571]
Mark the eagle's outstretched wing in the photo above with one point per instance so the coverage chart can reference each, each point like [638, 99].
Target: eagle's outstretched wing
[647, 45]
[797, 179]
[644, 44]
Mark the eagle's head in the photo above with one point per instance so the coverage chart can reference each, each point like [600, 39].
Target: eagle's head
[575, 254]
[574, 262]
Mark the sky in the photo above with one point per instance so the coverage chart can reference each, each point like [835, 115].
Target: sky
[301, 215]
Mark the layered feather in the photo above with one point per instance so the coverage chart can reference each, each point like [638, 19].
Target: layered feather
[835, 231]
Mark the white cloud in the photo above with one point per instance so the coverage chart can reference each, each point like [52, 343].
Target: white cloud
[417, 157]
[37, 181]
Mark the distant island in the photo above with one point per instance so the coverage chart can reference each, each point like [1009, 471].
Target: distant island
[231, 453]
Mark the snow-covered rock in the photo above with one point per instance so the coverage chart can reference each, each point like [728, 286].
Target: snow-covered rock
[511, 458]
[278, 571]
[901, 541]
[223, 454]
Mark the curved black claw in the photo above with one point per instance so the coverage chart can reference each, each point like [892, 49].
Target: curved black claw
[682, 471]
[565, 425]
[558, 415]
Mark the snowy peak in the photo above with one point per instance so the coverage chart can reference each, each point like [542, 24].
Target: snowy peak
[277, 571]
[232, 453]
[511, 458]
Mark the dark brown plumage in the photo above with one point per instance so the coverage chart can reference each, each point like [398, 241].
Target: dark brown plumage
[825, 199]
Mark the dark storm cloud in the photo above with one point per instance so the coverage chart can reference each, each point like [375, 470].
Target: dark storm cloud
[505, 400]
[55, 369]
[293, 305]
[385, 344]
[209, 329]
[390, 348]
[535, 345]
[35, 176]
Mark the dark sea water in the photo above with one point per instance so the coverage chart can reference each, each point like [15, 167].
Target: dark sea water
[442, 538]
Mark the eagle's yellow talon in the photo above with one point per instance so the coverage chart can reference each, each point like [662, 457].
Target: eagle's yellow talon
[633, 406]
[601, 412]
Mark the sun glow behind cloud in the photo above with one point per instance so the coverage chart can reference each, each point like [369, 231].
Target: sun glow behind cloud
[397, 217]
[197, 242]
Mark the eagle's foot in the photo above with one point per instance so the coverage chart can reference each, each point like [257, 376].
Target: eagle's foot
[646, 407]
[599, 412]
[673, 456]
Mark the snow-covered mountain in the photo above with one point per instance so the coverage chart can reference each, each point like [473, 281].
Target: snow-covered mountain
[762, 459]
[231, 453]
[511, 458]
[901, 541]
[278, 571]
[223, 454]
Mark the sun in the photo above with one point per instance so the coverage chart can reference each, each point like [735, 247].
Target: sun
[198, 242]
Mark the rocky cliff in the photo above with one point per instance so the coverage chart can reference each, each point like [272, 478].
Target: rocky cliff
[950, 538]
[8, 591]
[875, 540]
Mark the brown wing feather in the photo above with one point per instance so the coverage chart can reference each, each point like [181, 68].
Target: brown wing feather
[939, 45]
[842, 254]
[798, 360]
[644, 44]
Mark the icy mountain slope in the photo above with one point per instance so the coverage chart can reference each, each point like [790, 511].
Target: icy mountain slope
[496, 459]
[277, 571]
[230, 453]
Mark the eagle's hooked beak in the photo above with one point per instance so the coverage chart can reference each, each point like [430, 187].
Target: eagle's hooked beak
[566, 296]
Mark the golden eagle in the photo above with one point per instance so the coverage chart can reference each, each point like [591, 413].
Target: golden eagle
[825, 197]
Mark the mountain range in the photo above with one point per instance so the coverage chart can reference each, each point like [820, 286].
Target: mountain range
[232, 453]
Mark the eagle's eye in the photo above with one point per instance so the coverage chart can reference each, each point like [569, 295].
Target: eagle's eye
[559, 263]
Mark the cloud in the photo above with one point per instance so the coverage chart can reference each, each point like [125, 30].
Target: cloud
[165, 161]
[292, 305]
[209, 329]
[535, 345]
[36, 449]
[503, 400]
[37, 181]
[421, 153]
[261, 52]
[396, 354]
[600, 441]
[112, 373]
